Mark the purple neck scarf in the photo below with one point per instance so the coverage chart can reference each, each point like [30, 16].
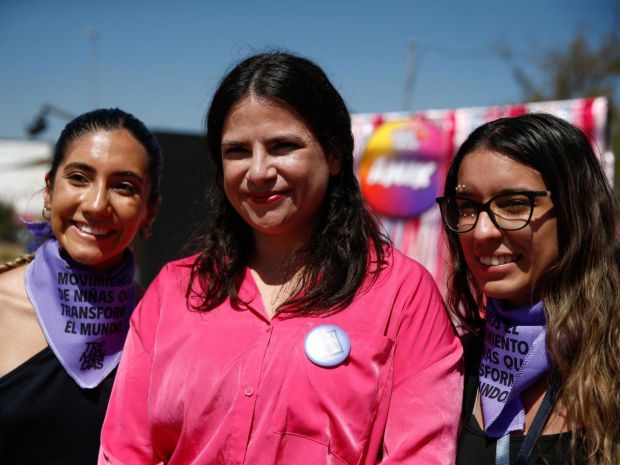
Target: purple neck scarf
[40, 231]
[84, 313]
[514, 356]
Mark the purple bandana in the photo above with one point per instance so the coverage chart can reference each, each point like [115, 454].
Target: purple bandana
[513, 357]
[84, 314]
[40, 231]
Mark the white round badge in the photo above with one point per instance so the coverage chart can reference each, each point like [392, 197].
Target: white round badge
[327, 345]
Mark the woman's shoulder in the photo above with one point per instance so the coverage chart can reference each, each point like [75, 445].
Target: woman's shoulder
[395, 258]
[21, 336]
[398, 264]
[173, 277]
[406, 281]
[12, 288]
[178, 267]
[13, 298]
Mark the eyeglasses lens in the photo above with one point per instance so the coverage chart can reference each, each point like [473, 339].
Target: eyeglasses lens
[510, 212]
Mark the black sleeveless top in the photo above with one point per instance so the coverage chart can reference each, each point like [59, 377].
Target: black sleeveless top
[474, 448]
[46, 418]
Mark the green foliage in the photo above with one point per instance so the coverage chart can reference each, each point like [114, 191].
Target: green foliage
[582, 69]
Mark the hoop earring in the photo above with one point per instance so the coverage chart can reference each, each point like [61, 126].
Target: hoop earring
[46, 213]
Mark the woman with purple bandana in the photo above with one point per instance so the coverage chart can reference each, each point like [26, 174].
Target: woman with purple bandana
[529, 217]
[64, 316]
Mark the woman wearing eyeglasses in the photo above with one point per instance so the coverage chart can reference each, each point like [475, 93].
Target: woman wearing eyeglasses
[529, 218]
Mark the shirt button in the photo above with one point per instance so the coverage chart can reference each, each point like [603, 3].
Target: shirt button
[249, 391]
[267, 329]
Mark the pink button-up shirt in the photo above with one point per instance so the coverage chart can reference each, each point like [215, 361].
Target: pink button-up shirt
[231, 386]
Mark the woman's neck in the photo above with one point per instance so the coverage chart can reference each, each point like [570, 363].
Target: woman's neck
[276, 269]
[274, 257]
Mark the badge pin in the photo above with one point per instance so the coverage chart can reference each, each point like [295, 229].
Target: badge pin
[327, 345]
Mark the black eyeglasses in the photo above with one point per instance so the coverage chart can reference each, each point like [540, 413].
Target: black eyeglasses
[509, 212]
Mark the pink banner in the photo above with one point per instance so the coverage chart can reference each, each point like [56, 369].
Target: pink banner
[402, 159]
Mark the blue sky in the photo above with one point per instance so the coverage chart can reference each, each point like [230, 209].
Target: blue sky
[162, 60]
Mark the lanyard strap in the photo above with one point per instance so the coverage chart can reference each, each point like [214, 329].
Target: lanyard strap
[502, 448]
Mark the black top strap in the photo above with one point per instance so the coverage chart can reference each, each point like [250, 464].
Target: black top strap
[538, 424]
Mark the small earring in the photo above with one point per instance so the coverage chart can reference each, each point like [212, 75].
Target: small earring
[46, 213]
[460, 187]
[146, 233]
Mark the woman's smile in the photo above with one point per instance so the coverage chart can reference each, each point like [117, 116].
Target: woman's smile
[265, 198]
[498, 260]
[92, 233]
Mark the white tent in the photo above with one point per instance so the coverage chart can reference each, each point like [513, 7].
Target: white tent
[23, 164]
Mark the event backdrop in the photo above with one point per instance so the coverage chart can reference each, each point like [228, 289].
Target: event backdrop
[402, 159]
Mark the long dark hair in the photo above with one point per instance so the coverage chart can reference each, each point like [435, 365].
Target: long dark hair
[347, 243]
[109, 119]
[581, 291]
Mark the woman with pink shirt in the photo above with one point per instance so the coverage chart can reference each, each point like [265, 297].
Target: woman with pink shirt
[297, 335]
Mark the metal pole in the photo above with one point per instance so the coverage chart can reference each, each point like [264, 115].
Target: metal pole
[410, 75]
[93, 35]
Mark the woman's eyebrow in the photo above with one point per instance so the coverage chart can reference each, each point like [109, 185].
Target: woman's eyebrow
[79, 166]
[89, 169]
[128, 174]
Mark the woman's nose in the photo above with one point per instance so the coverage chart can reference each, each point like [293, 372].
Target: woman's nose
[485, 227]
[262, 169]
[96, 201]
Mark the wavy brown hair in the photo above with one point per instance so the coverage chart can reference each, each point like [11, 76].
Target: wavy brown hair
[581, 291]
[347, 244]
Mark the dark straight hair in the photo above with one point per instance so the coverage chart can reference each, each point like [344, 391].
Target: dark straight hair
[347, 243]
